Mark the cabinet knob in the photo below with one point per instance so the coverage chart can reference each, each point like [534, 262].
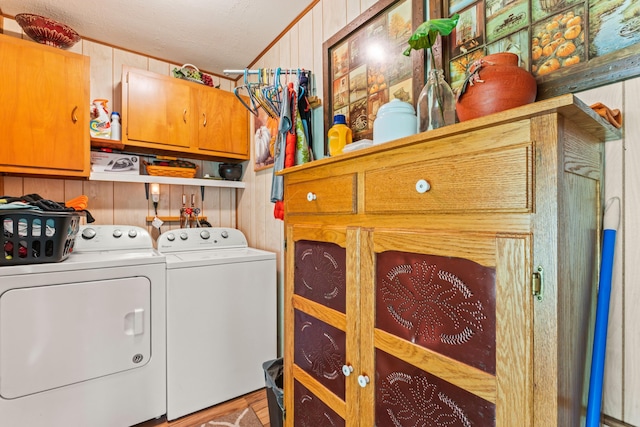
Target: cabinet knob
[204, 119]
[311, 196]
[184, 115]
[74, 117]
[347, 370]
[422, 186]
[363, 380]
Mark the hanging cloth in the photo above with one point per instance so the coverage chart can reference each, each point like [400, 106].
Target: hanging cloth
[304, 110]
[277, 182]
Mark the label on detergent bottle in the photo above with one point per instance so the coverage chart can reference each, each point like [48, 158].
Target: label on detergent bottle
[100, 125]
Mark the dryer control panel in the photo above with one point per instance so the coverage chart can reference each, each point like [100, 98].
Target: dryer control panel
[205, 238]
[94, 238]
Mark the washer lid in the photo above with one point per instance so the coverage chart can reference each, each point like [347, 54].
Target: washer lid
[216, 257]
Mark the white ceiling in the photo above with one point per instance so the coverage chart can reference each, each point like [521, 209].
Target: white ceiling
[213, 35]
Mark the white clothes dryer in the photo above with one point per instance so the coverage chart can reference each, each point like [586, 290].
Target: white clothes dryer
[82, 341]
[221, 316]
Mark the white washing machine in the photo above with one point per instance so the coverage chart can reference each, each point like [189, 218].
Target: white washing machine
[221, 316]
[82, 341]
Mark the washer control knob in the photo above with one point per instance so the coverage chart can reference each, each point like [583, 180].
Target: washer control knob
[363, 380]
[347, 370]
[133, 233]
[224, 234]
[184, 236]
[88, 233]
[171, 237]
[205, 234]
[117, 233]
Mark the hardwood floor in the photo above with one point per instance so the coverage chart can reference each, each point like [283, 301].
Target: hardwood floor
[256, 400]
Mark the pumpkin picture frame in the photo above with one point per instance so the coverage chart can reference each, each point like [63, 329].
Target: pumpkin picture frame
[568, 45]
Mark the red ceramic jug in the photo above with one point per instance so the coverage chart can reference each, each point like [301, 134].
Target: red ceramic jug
[496, 83]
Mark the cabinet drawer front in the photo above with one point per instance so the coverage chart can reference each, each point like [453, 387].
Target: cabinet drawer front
[334, 194]
[497, 180]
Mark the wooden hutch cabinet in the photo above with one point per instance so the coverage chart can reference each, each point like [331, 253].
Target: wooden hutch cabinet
[447, 278]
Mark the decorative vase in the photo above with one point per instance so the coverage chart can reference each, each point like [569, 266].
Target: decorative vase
[436, 106]
[496, 83]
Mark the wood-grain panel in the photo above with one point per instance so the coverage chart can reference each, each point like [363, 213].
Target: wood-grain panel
[335, 195]
[490, 181]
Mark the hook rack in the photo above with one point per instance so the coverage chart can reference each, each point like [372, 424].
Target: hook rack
[270, 70]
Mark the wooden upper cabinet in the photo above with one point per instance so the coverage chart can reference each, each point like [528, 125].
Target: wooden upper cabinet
[44, 110]
[223, 122]
[165, 115]
[157, 109]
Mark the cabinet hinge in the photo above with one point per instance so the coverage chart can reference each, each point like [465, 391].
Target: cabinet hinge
[537, 283]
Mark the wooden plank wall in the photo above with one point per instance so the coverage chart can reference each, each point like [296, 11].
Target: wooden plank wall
[251, 211]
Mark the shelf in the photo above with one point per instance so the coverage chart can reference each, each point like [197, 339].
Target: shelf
[202, 182]
[114, 144]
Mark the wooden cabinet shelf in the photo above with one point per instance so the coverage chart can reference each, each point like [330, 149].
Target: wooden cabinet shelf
[202, 182]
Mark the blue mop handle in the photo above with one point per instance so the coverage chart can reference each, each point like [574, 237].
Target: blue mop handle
[610, 225]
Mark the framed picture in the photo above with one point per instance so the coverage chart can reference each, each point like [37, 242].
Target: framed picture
[266, 130]
[364, 66]
[568, 45]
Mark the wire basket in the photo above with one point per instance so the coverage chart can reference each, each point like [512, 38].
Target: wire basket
[37, 237]
[191, 73]
[172, 171]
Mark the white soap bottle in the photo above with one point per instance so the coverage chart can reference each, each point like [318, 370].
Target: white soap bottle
[115, 126]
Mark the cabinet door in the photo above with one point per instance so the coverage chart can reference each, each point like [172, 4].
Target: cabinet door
[158, 110]
[320, 321]
[44, 109]
[451, 339]
[223, 123]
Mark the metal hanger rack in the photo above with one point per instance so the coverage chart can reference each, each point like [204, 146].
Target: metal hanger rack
[268, 70]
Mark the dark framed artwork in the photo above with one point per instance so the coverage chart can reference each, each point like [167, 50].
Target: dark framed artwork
[364, 67]
[568, 45]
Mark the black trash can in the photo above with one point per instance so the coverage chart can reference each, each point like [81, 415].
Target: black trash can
[273, 371]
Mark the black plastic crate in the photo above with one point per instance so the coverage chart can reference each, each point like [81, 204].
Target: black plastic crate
[36, 237]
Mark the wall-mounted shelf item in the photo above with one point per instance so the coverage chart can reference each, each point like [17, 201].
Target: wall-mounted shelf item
[114, 144]
[106, 176]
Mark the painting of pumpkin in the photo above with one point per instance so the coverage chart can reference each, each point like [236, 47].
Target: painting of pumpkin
[565, 49]
[571, 61]
[549, 67]
[558, 42]
[573, 32]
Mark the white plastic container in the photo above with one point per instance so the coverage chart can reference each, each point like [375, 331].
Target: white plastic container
[116, 132]
[395, 119]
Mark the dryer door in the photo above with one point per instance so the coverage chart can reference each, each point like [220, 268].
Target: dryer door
[53, 336]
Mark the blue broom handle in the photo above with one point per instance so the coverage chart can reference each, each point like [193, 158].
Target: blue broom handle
[610, 225]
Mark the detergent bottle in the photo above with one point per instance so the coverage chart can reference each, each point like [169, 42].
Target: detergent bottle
[100, 125]
[339, 135]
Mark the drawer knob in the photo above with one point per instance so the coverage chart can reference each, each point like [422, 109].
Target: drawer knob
[363, 380]
[311, 196]
[347, 370]
[422, 186]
